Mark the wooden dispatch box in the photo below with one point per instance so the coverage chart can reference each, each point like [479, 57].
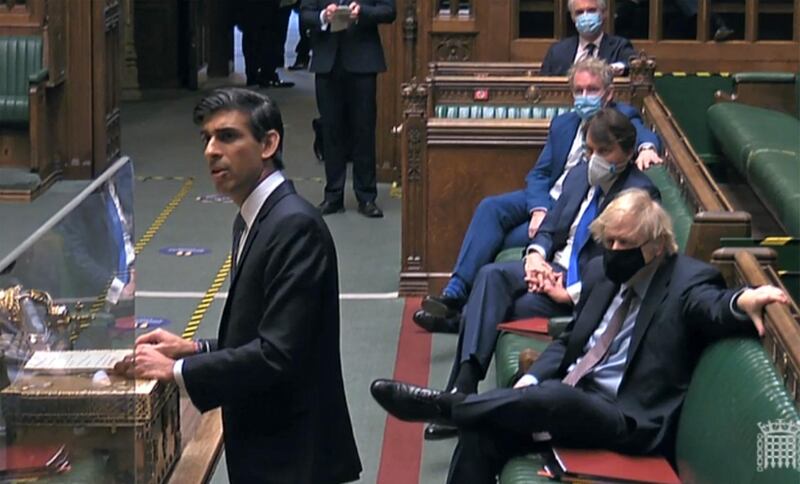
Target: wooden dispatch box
[128, 432]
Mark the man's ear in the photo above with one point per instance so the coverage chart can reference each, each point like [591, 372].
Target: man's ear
[272, 140]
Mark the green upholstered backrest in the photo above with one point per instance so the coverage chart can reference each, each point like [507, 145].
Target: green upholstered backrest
[498, 111]
[734, 389]
[20, 57]
[741, 129]
[764, 146]
[510, 254]
[674, 203]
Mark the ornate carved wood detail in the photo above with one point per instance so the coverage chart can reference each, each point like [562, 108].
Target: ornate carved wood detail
[453, 47]
[410, 22]
[415, 102]
[113, 131]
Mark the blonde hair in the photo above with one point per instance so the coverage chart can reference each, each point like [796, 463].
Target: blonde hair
[651, 219]
[592, 65]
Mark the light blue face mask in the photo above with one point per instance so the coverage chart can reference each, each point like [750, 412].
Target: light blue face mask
[589, 23]
[587, 105]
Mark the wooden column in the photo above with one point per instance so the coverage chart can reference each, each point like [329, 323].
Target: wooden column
[130, 72]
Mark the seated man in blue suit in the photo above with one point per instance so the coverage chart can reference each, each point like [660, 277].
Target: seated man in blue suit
[617, 377]
[548, 282]
[512, 219]
[589, 17]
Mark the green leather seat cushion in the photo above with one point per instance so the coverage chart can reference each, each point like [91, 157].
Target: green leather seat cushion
[742, 129]
[674, 203]
[775, 176]
[523, 469]
[510, 254]
[506, 355]
[20, 57]
[733, 389]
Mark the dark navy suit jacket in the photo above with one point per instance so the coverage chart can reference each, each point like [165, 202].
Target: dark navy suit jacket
[276, 369]
[554, 231]
[686, 307]
[560, 56]
[359, 47]
[555, 152]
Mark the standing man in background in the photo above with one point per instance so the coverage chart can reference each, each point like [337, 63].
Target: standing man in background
[346, 63]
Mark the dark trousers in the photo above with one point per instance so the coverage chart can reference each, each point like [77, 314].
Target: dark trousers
[346, 104]
[255, 19]
[498, 424]
[277, 40]
[499, 222]
[500, 294]
[303, 46]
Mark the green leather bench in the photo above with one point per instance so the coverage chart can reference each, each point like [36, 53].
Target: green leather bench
[764, 147]
[21, 66]
[734, 400]
[495, 111]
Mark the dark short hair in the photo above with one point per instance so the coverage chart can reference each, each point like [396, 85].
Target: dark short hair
[262, 111]
[609, 127]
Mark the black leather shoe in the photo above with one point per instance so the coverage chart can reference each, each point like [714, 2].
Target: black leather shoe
[299, 65]
[435, 324]
[408, 402]
[370, 210]
[328, 207]
[439, 431]
[443, 306]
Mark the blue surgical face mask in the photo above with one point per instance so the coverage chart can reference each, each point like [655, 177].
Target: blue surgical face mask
[589, 23]
[587, 105]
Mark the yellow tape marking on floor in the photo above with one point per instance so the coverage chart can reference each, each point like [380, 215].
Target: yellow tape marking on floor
[162, 217]
[207, 299]
[776, 240]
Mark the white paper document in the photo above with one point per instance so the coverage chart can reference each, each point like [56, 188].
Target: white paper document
[75, 361]
[340, 19]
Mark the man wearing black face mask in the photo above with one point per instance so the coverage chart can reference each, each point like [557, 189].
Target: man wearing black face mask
[616, 378]
[548, 282]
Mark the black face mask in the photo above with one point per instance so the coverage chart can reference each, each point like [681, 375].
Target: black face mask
[621, 265]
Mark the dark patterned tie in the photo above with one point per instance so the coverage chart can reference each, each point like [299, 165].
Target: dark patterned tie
[598, 351]
[588, 51]
[239, 227]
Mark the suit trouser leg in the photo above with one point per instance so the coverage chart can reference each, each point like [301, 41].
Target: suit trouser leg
[277, 39]
[362, 114]
[303, 46]
[495, 217]
[331, 91]
[496, 425]
[496, 288]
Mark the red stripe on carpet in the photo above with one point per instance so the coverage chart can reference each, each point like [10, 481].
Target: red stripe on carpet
[401, 453]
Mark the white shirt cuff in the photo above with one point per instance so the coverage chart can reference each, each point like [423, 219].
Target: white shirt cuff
[527, 380]
[647, 146]
[177, 372]
[323, 23]
[574, 292]
[738, 313]
[618, 65]
[536, 248]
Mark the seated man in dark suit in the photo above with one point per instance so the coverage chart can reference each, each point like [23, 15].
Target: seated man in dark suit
[617, 376]
[512, 219]
[548, 282]
[589, 17]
